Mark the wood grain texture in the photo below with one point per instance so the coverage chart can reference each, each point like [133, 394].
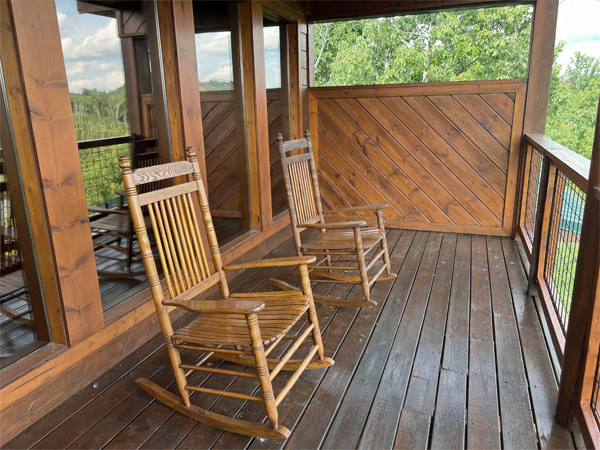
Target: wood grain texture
[53, 132]
[359, 339]
[439, 155]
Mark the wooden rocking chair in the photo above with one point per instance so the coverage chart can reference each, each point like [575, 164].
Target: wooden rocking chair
[343, 238]
[236, 328]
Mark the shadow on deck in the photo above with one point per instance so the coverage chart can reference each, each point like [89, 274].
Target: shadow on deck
[453, 356]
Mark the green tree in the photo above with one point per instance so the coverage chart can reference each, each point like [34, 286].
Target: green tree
[476, 44]
[573, 102]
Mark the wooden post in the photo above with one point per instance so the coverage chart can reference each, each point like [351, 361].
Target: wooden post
[583, 333]
[28, 168]
[173, 52]
[255, 105]
[541, 57]
[131, 85]
[284, 50]
[295, 81]
[240, 129]
[52, 134]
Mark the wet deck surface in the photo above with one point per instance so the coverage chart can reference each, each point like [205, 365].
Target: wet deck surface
[453, 356]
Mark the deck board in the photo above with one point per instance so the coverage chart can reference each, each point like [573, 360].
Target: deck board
[453, 356]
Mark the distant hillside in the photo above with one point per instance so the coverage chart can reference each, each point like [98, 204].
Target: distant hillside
[216, 85]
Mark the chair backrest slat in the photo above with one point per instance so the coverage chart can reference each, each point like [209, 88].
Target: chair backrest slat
[300, 178]
[178, 235]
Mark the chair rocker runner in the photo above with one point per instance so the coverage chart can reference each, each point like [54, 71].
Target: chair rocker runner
[352, 241]
[243, 328]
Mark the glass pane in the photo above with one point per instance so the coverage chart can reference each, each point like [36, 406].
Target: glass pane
[225, 168]
[23, 325]
[278, 117]
[94, 66]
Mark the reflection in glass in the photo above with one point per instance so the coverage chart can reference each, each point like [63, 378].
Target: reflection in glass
[23, 326]
[215, 63]
[222, 135]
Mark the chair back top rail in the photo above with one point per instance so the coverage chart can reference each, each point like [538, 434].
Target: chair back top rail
[162, 172]
[572, 165]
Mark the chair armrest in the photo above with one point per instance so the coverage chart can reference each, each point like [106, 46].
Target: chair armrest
[356, 208]
[237, 306]
[97, 209]
[274, 262]
[334, 226]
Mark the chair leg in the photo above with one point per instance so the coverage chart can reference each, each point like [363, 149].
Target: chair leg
[328, 259]
[262, 370]
[386, 255]
[312, 314]
[362, 266]
[179, 373]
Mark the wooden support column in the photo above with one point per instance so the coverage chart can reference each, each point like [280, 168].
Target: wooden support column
[240, 115]
[295, 81]
[284, 51]
[131, 85]
[583, 334]
[176, 92]
[541, 57]
[52, 136]
[257, 121]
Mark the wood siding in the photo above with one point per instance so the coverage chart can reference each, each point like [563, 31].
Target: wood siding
[442, 155]
[222, 159]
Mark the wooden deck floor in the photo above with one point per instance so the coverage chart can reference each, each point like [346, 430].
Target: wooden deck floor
[453, 356]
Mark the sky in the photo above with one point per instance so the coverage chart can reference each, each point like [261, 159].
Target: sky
[93, 54]
[579, 26]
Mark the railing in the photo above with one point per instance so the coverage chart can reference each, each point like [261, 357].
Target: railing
[552, 214]
[559, 226]
[101, 173]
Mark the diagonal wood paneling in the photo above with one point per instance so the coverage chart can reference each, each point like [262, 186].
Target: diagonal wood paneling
[222, 158]
[220, 146]
[444, 156]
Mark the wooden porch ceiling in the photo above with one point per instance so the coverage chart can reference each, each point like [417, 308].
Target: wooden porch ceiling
[453, 354]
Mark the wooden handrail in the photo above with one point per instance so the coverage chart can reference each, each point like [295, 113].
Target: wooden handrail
[104, 142]
[574, 166]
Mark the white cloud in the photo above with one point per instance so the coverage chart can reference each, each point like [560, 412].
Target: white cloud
[104, 40]
[62, 18]
[271, 38]
[107, 82]
[578, 19]
[219, 42]
[222, 73]
[578, 27]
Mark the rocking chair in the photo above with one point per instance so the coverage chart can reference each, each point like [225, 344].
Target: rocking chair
[242, 328]
[354, 238]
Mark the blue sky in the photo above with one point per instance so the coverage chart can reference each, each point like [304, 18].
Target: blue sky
[93, 55]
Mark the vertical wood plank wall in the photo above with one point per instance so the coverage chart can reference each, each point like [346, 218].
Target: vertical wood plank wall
[444, 156]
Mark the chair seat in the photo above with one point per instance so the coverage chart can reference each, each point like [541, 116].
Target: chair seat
[116, 223]
[278, 316]
[343, 239]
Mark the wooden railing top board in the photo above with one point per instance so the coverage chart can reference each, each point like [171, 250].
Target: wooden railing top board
[574, 166]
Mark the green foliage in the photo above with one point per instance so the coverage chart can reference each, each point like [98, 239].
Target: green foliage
[574, 102]
[100, 115]
[477, 44]
[216, 85]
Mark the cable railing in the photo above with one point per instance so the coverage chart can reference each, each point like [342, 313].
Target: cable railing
[553, 204]
[101, 172]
